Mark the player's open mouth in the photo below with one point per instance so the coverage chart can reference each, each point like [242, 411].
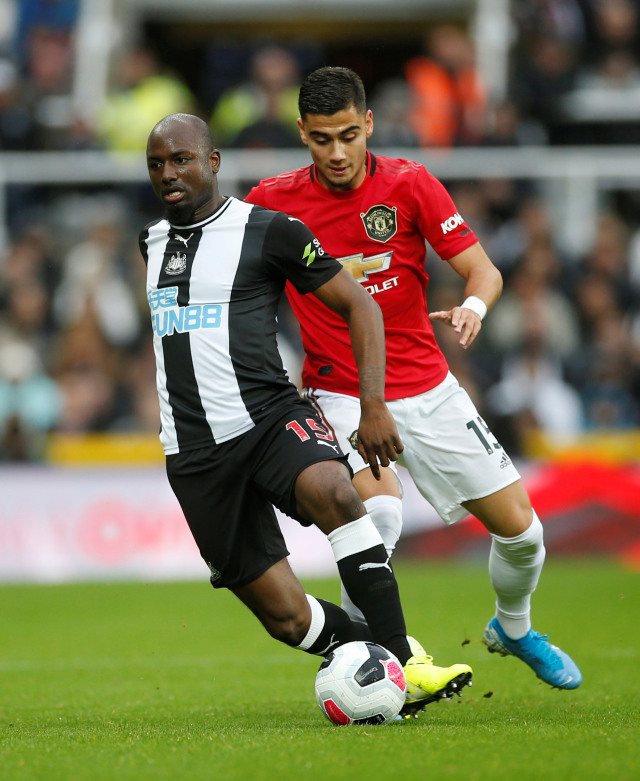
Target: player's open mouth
[173, 196]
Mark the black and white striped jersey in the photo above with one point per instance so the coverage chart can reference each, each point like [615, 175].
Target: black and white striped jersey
[213, 290]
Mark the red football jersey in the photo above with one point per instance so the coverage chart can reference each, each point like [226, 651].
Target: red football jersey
[378, 233]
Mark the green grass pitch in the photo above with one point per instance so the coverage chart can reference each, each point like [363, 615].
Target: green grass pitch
[119, 682]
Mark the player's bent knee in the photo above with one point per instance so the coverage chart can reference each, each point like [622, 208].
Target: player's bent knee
[325, 495]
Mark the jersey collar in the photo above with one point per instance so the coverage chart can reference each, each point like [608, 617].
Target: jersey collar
[216, 214]
[370, 164]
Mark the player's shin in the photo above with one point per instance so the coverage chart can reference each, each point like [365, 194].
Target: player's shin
[386, 513]
[366, 572]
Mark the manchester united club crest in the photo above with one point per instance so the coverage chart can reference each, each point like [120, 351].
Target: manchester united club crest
[380, 222]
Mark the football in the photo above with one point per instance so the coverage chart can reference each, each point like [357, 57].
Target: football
[360, 683]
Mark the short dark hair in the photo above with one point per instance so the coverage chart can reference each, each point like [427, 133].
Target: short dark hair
[331, 89]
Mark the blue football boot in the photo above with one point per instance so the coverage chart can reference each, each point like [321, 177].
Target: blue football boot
[548, 662]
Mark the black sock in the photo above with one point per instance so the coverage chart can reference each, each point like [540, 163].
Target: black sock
[370, 582]
[338, 629]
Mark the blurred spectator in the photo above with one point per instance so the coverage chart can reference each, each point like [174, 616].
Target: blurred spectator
[605, 104]
[262, 111]
[609, 257]
[46, 87]
[601, 105]
[533, 295]
[28, 256]
[391, 105]
[17, 127]
[613, 28]
[608, 390]
[506, 126]
[87, 370]
[551, 36]
[545, 73]
[503, 125]
[140, 409]
[529, 225]
[596, 303]
[532, 393]
[449, 100]
[26, 279]
[94, 279]
[605, 367]
[34, 16]
[30, 402]
[563, 20]
[143, 95]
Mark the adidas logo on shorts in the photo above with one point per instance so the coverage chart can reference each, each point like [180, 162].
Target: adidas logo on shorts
[505, 461]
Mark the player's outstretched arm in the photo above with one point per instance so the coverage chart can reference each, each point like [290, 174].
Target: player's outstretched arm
[483, 288]
[378, 438]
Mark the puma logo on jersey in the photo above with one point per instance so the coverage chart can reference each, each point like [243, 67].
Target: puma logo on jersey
[375, 565]
[451, 223]
[360, 267]
[183, 240]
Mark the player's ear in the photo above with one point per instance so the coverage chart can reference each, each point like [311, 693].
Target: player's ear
[368, 123]
[303, 135]
[214, 160]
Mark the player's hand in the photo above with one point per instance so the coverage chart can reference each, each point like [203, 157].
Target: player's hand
[464, 321]
[378, 438]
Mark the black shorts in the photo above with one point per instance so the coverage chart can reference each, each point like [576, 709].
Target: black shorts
[226, 491]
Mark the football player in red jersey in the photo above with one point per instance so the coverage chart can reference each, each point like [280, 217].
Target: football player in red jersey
[374, 214]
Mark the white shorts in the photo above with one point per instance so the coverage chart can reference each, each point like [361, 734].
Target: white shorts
[449, 450]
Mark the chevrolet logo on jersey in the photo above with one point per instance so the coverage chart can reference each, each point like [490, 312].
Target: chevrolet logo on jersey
[360, 267]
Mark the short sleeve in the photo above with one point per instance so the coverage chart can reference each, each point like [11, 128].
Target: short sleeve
[257, 195]
[438, 218]
[293, 249]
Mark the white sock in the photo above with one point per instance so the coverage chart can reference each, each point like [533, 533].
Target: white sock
[317, 623]
[515, 564]
[354, 537]
[386, 514]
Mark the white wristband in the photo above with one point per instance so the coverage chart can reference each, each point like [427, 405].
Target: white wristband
[476, 305]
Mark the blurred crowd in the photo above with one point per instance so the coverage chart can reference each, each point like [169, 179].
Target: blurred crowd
[559, 353]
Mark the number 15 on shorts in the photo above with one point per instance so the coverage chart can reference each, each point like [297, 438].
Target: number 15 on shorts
[478, 429]
[322, 436]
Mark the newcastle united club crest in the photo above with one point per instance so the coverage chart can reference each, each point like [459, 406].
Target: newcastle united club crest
[380, 222]
[177, 264]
